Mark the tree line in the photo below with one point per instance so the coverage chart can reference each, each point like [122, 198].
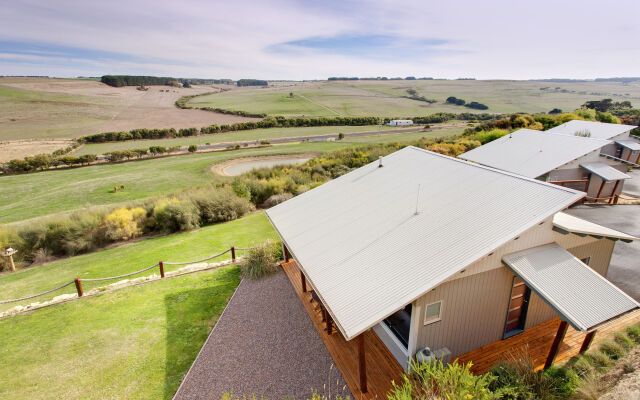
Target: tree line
[136, 80]
[252, 82]
[461, 102]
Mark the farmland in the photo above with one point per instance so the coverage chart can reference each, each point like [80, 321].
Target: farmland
[386, 98]
[40, 108]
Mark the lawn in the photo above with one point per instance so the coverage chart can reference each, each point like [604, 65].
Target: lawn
[239, 136]
[406, 137]
[206, 241]
[134, 343]
[37, 194]
[385, 98]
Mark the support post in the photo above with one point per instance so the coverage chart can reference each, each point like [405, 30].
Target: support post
[587, 341]
[362, 364]
[557, 341]
[613, 192]
[638, 158]
[13, 266]
[233, 253]
[287, 255]
[600, 190]
[161, 265]
[303, 279]
[328, 321]
[78, 286]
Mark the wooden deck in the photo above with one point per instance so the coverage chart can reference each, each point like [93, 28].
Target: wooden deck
[537, 342]
[382, 367]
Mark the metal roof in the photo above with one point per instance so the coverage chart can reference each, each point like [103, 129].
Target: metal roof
[578, 293]
[604, 171]
[597, 130]
[570, 224]
[367, 253]
[629, 144]
[532, 153]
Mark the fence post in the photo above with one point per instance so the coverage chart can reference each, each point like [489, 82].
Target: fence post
[233, 253]
[78, 286]
[161, 265]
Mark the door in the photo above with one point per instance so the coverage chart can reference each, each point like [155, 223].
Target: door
[517, 311]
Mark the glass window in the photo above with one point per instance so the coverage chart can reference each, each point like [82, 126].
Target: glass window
[432, 312]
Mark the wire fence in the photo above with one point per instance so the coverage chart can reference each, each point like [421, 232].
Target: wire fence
[160, 265]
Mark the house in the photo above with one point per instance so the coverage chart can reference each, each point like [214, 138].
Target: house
[400, 122]
[563, 159]
[623, 146]
[432, 251]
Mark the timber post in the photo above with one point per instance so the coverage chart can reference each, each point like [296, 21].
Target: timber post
[362, 364]
[303, 279]
[161, 265]
[587, 341]
[78, 286]
[555, 346]
[233, 253]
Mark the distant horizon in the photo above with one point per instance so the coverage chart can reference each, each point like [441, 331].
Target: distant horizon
[304, 40]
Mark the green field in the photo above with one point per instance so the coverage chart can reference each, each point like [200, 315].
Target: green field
[384, 98]
[406, 137]
[238, 136]
[38, 194]
[194, 245]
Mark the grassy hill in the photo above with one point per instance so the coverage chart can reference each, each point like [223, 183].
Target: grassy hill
[387, 98]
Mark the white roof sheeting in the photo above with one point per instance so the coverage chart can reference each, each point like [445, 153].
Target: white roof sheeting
[366, 252]
[569, 223]
[532, 153]
[578, 293]
[597, 130]
[604, 171]
[629, 144]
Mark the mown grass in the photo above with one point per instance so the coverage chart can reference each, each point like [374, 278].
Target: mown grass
[406, 137]
[380, 98]
[245, 232]
[239, 136]
[37, 194]
[134, 343]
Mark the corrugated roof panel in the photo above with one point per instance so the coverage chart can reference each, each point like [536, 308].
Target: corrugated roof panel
[366, 251]
[604, 171]
[577, 292]
[532, 153]
[629, 144]
[573, 224]
[598, 130]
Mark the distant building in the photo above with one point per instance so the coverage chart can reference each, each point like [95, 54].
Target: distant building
[400, 122]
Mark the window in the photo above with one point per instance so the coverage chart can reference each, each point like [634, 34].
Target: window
[432, 312]
[586, 260]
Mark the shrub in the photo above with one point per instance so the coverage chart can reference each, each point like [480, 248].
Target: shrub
[517, 379]
[624, 340]
[172, 215]
[598, 359]
[259, 262]
[277, 199]
[565, 381]
[582, 366]
[634, 333]
[612, 349]
[485, 137]
[219, 205]
[607, 117]
[192, 148]
[435, 379]
[124, 223]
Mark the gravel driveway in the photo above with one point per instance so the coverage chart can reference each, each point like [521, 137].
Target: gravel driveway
[264, 343]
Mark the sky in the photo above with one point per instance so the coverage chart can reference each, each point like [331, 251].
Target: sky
[305, 39]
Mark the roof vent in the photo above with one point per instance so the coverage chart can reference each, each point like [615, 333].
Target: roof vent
[380, 162]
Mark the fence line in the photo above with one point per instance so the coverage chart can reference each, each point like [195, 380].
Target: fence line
[160, 264]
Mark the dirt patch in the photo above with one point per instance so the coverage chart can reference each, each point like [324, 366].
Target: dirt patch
[626, 376]
[221, 168]
[25, 148]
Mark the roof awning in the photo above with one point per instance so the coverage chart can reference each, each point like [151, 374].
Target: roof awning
[604, 171]
[629, 144]
[565, 224]
[579, 294]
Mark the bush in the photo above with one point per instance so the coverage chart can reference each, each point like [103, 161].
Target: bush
[598, 359]
[277, 199]
[634, 333]
[173, 215]
[582, 366]
[565, 381]
[517, 379]
[485, 137]
[453, 381]
[260, 261]
[192, 148]
[219, 205]
[124, 223]
[624, 340]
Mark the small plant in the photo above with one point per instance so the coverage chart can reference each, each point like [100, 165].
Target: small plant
[192, 148]
[634, 333]
[598, 359]
[582, 366]
[590, 388]
[624, 340]
[340, 136]
[259, 262]
[612, 349]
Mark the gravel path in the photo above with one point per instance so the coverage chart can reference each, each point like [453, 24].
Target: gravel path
[264, 343]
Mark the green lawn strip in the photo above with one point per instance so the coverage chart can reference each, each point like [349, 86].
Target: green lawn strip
[406, 137]
[37, 194]
[133, 343]
[238, 136]
[245, 232]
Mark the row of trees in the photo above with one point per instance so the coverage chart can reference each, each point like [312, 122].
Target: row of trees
[461, 102]
[41, 162]
[136, 80]
[252, 82]
[136, 134]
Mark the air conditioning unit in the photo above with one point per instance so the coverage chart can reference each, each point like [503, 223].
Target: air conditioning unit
[426, 355]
